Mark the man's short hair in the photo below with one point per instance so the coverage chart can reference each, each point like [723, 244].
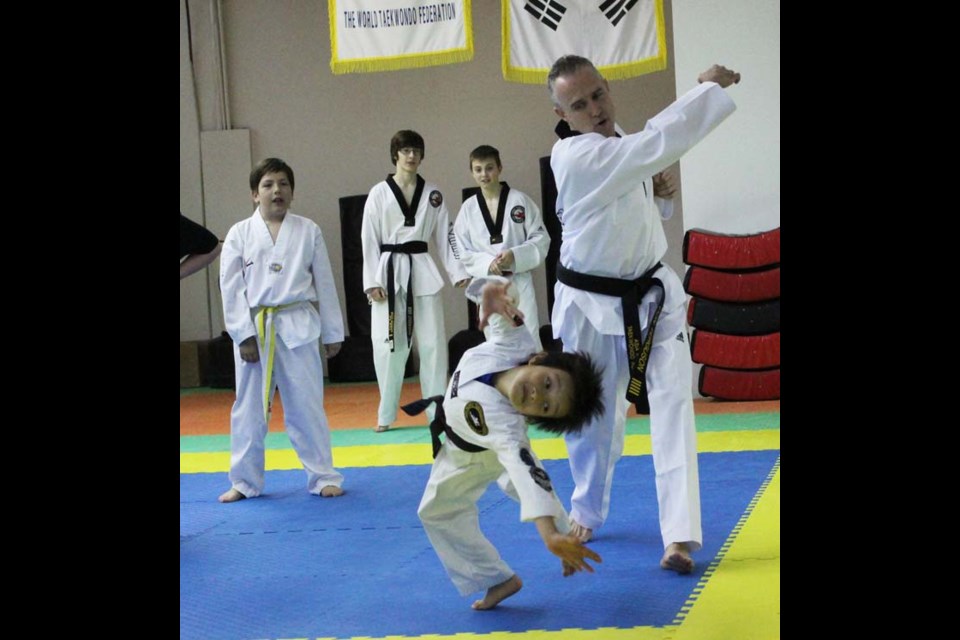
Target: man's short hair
[483, 152]
[269, 165]
[403, 139]
[565, 66]
[586, 402]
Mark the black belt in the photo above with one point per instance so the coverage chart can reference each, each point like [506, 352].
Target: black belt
[408, 248]
[439, 425]
[630, 293]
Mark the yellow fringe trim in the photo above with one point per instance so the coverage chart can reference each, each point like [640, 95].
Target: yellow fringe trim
[405, 61]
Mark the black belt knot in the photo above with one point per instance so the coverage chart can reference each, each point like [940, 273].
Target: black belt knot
[630, 293]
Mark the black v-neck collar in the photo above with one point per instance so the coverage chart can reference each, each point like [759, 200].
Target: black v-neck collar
[409, 211]
[495, 228]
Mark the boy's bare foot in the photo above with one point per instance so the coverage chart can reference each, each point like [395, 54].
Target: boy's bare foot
[331, 491]
[231, 496]
[677, 558]
[580, 532]
[498, 593]
[382, 427]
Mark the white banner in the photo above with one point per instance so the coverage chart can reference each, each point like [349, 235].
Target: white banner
[623, 38]
[383, 35]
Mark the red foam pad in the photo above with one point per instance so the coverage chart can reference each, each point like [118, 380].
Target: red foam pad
[735, 352]
[726, 384]
[729, 286]
[725, 251]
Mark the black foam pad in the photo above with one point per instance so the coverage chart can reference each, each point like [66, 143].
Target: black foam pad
[734, 318]
[358, 308]
[459, 343]
[354, 363]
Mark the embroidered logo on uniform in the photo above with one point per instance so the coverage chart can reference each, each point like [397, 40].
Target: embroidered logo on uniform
[539, 475]
[680, 337]
[276, 267]
[473, 414]
[436, 198]
[452, 239]
[518, 214]
[454, 384]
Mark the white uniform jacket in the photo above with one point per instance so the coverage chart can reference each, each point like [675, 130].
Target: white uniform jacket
[523, 233]
[383, 223]
[611, 225]
[255, 273]
[483, 416]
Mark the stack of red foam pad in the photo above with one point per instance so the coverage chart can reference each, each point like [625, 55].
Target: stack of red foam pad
[734, 281]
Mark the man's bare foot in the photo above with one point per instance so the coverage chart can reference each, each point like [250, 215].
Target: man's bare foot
[580, 532]
[331, 491]
[381, 428]
[231, 496]
[677, 558]
[498, 593]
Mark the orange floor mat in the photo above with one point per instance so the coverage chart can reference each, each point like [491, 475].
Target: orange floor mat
[354, 406]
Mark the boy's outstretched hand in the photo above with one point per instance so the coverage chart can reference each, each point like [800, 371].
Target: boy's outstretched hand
[572, 553]
[495, 299]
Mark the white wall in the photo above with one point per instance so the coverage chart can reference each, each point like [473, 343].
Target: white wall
[335, 130]
[731, 181]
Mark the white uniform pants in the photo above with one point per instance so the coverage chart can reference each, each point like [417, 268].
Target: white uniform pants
[595, 451]
[298, 373]
[431, 338]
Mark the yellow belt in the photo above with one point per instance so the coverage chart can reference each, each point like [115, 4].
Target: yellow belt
[267, 333]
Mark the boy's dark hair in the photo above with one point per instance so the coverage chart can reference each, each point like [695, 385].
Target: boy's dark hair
[269, 165]
[403, 139]
[586, 401]
[565, 66]
[483, 152]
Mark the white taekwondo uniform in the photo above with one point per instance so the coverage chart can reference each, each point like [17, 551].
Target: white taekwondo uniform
[284, 280]
[482, 416]
[522, 232]
[612, 228]
[384, 223]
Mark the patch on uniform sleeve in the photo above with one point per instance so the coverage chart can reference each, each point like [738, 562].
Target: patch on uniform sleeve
[455, 383]
[473, 414]
[680, 337]
[436, 198]
[518, 214]
[539, 475]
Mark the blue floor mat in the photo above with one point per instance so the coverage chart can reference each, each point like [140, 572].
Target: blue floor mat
[292, 565]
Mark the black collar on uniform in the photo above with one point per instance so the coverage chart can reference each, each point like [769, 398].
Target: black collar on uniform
[495, 228]
[409, 211]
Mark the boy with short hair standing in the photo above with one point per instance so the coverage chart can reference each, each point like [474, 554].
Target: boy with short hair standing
[500, 232]
[274, 269]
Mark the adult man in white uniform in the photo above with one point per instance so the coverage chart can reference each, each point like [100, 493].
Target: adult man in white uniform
[497, 386]
[500, 232]
[612, 231]
[400, 278]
